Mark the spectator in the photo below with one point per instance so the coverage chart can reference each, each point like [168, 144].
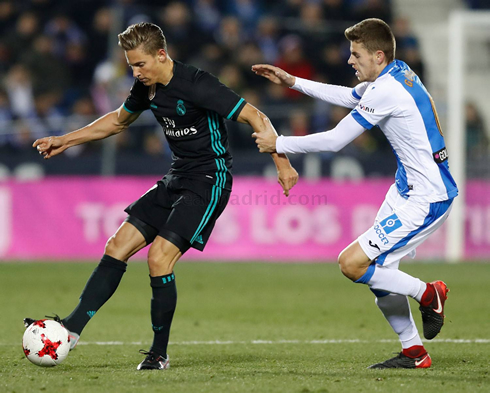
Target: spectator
[80, 67]
[230, 35]
[231, 76]
[5, 58]
[288, 8]
[47, 117]
[336, 10]
[311, 16]
[407, 46]
[6, 116]
[207, 15]
[111, 82]
[267, 37]
[18, 84]
[403, 35]
[299, 123]
[99, 36]
[178, 27]
[247, 11]
[477, 139]
[292, 60]
[334, 66]
[8, 14]
[249, 54]
[26, 29]
[373, 9]
[210, 57]
[64, 33]
[48, 71]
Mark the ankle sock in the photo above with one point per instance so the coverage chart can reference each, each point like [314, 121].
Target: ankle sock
[415, 351]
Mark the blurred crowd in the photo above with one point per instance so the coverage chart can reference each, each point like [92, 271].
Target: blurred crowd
[60, 66]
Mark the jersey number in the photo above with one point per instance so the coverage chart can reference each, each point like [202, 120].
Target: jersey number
[436, 115]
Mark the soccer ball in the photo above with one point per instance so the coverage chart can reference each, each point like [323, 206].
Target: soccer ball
[46, 343]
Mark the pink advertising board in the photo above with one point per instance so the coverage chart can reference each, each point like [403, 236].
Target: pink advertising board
[72, 218]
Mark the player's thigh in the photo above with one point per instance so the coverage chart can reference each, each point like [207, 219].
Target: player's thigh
[127, 241]
[162, 257]
[400, 227]
[150, 212]
[194, 215]
[407, 245]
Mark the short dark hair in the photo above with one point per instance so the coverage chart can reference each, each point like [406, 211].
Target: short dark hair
[374, 34]
[147, 35]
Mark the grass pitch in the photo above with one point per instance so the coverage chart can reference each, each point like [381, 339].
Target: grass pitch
[245, 328]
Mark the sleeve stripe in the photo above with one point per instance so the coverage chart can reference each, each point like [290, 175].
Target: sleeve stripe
[354, 93]
[125, 107]
[361, 120]
[235, 109]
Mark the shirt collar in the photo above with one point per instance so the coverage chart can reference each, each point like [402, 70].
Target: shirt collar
[387, 68]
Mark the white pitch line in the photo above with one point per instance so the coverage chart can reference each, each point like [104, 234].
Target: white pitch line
[278, 342]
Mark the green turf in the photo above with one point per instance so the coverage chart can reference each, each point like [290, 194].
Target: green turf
[242, 303]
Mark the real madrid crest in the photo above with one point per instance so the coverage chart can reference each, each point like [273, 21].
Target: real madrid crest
[181, 109]
[152, 91]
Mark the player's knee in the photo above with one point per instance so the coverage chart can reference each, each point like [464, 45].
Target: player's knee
[347, 267]
[114, 249]
[160, 262]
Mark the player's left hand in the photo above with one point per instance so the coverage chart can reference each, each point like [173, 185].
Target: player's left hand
[266, 137]
[287, 178]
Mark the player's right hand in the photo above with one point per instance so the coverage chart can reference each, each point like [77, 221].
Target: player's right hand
[287, 178]
[274, 74]
[49, 146]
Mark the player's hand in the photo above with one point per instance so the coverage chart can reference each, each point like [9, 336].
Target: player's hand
[287, 178]
[49, 146]
[266, 137]
[274, 74]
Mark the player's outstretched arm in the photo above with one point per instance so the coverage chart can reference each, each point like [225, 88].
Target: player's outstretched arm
[107, 125]
[345, 132]
[286, 174]
[274, 74]
[338, 95]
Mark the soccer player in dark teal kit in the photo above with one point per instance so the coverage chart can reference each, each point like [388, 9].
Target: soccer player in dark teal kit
[180, 211]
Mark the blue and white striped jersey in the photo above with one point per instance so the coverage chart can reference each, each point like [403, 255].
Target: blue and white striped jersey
[400, 105]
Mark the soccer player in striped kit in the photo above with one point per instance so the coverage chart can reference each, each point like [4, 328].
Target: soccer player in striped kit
[392, 97]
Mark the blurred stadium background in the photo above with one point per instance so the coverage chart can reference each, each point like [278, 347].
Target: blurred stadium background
[61, 68]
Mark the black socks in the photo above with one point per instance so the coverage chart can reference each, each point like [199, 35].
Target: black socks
[163, 305]
[99, 288]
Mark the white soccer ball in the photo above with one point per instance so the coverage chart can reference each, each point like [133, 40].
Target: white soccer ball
[46, 343]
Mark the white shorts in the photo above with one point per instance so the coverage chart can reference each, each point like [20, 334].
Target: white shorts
[400, 226]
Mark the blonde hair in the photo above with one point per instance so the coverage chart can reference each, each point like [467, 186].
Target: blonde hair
[147, 35]
[375, 35]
